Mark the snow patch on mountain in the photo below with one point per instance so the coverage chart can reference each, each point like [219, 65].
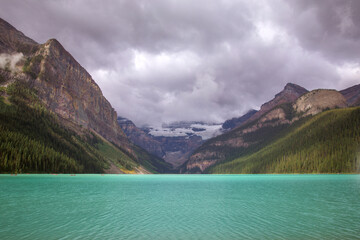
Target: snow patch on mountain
[181, 129]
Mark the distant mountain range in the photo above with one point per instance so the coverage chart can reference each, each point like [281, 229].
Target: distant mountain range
[173, 142]
[54, 118]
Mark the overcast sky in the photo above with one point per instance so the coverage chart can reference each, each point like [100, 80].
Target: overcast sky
[170, 60]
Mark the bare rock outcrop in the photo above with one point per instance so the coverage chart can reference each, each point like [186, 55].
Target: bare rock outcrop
[319, 100]
[141, 138]
[289, 94]
[63, 85]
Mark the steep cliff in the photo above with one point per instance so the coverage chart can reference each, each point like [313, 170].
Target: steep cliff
[173, 149]
[65, 88]
[68, 90]
[63, 85]
[141, 138]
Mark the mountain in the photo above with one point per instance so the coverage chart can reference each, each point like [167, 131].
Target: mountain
[325, 143]
[271, 118]
[292, 109]
[235, 122]
[45, 80]
[172, 142]
[141, 138]
[178, 148]
[352, 95]
[289, 94]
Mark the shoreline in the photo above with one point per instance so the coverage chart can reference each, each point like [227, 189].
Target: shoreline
[172, 174]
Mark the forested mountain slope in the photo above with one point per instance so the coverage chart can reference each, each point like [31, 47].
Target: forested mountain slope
[48, 100]
[326, 143]
[256, 137]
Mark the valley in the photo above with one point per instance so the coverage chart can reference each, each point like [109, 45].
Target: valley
[207, 120]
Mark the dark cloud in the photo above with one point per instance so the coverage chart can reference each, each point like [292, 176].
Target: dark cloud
[330, 27]
[165, 60]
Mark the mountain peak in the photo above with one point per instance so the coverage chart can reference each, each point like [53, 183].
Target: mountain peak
[54, 42]
[293, 88]
[63, 85]
[56, 45]
[289, 94]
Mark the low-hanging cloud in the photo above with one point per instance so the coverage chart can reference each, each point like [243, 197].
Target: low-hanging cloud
[9, 61]
[160, 61]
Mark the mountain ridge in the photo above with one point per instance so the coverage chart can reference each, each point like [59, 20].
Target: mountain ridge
[352, 95]
[14, 40]
[237, 121]
[172, 148]
[265, 126]
[51, 104]
[50, 76]
[289, 94]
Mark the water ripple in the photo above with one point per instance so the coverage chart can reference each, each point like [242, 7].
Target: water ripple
[180, 207]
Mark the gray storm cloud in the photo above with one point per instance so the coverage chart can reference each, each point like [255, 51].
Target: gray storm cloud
[160, 61]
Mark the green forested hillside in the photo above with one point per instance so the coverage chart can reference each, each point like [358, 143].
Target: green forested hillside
[326, 143]
[33, 141]
[256, 140]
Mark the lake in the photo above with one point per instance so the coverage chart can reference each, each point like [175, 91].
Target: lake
[180, 207]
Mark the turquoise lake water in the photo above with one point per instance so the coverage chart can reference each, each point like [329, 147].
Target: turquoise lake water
[180, 207]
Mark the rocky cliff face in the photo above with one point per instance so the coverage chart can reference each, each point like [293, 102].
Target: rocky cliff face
[289, 94]
[63, 85]
[319, 100]
[11, 40]
[141, 138]
[173, 149]
[69, 90]
[352, 95]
